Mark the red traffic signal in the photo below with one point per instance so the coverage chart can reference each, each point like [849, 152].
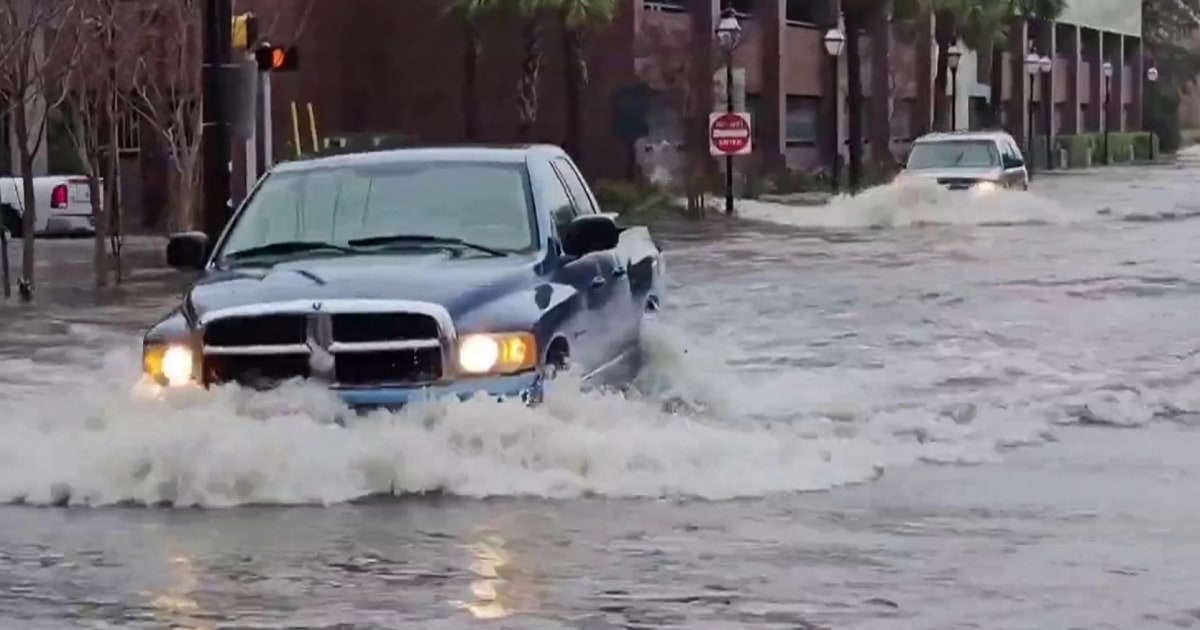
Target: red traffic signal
[277, 58]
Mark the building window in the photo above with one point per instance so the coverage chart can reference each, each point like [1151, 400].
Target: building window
[803, 11]
[129, 131]
[803, 114]
[669, 6]
[902, 119]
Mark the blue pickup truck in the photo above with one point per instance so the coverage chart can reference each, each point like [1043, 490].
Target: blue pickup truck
[398, 275]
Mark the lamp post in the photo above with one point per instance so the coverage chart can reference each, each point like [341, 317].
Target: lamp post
[1108, 72]
[1033, 65]
[1152, 77]
[729, 32]
[834, 42]
[953, 55]
[1046, 66]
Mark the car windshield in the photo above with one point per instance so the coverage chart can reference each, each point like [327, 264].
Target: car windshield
[475, 206]
[954, 154]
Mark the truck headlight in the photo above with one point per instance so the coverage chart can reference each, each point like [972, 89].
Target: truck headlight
[986, 187]
[173, 365]
[497, 353]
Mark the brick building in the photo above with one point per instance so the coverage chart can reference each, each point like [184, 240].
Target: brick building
[380, 66]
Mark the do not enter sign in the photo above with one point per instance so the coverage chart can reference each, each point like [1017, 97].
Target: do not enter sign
[729, 134]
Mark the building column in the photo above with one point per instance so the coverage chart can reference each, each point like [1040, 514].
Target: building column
[1116, 104]
[773, 16]
[1137, 77]
[922, 109]
[1072, 49]
[1018, 96]
[1095, 56]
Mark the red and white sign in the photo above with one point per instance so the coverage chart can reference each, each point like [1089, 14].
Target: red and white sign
[729, 134]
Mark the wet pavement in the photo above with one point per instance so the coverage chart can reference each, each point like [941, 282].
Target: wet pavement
[904, 410]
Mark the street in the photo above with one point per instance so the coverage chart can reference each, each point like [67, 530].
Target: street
[910, 409]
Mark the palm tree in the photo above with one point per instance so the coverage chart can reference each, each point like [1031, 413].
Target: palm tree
[472, 14]
[532, 14]
[982, 25]
[578, 16]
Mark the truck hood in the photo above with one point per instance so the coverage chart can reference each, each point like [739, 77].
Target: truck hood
[459, 285]
[956, 173]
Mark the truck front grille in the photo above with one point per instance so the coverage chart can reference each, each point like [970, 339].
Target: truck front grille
[345, 349]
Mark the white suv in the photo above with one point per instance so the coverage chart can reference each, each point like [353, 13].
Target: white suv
[968, 160]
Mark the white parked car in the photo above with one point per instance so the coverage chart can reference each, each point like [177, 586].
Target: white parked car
[968, 160]
[64, 205]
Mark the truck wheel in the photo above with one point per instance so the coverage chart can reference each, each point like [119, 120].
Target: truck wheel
[558, 359]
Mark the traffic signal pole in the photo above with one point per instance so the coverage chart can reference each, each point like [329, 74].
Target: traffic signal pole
[215, 142]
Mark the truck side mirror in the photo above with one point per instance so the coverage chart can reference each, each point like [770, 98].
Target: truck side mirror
[590, 233]
[188, 251]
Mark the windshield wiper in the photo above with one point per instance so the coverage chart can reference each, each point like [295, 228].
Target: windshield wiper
[287, 247]
[425, 238]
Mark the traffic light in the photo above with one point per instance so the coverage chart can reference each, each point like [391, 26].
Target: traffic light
[277, 58]
[245, 31]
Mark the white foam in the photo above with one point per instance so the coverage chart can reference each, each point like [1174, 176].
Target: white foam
[914, 202]
[85, 435]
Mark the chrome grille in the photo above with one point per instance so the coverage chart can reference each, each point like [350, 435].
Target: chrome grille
[347, 343]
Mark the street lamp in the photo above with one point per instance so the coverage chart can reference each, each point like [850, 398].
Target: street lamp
[1108, 72]
[729, 32]
[834, 42]
[1046, 66]
[1033, 65]
[1152, 77]
[953, 55]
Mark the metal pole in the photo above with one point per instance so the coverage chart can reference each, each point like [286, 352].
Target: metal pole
[1031, 159]
[1047, 116]
[953, 99]
[218, 21]
[4, 260]
[729, 110]
[1104, 115]
[835, 132]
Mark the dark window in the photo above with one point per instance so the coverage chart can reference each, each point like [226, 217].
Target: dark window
[803, 112]
[804, 11]
[575, 186]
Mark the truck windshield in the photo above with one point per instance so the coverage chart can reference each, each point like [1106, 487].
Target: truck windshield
[482, 203]
[954, 154]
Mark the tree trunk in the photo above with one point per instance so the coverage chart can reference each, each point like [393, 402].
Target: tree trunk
[29, 211]
[996, 83]
[944, 38]
[99, 259]
[575, 77]
[854, 100]
[881, 90]
[527, 85]
[112, 200]
[473, 52]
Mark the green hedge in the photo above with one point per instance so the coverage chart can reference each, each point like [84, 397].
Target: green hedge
[1087, 149]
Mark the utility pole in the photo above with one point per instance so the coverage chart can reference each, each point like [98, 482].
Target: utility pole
[217, 27]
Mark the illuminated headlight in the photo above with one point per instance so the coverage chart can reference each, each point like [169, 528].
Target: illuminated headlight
[497, 353]
[172, 365]
[986, 187]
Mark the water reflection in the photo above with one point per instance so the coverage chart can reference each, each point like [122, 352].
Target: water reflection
[503, 583]
[175, 605]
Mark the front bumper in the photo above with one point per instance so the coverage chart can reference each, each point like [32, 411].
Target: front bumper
[528, 387]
